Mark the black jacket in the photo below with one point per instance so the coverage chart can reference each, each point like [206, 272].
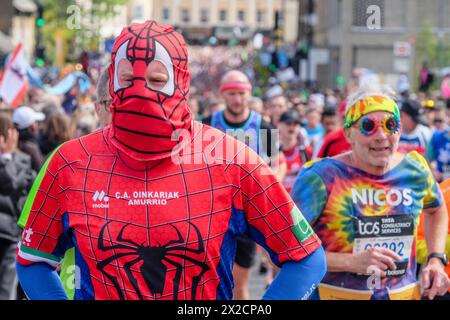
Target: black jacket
[16, 178]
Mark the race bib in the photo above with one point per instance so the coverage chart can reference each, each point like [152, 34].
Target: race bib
[391, 232]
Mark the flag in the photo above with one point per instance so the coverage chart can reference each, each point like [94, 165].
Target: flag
[14, 83]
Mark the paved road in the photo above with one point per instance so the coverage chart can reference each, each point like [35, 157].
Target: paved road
[257, 282]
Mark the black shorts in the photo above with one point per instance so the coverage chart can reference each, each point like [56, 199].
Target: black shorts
[245, 252]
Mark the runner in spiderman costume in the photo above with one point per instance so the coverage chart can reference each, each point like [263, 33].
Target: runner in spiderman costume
[153, 203]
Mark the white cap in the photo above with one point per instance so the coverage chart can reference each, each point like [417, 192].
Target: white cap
[23, 117]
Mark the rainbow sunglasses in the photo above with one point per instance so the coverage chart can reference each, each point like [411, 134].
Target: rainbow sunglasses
[369, 124]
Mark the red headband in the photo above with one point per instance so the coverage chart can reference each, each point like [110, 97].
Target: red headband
[236, 85]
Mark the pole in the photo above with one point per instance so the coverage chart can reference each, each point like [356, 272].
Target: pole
[441, 8]
[309, 39]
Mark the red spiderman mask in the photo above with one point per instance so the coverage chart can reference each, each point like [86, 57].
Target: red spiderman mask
[150, 88]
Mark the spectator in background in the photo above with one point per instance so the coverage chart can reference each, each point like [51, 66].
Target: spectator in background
[314, 129]
[415, 134]
[438, 150]
[330, 98]
[335, 142]
[16, 177]
[445, 89]
[300, 107]
[440, 122]
[48, 104]
[330, 120]
[426, 78]
[70, 103]
[84, 123]
[296, 154]
[316, 100]
[84, 120]
[276, 105]
[428, 106]
[216, 105]
[256, 104]
[56, 131]
[26, 120]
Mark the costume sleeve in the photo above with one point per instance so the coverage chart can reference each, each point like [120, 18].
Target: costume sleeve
[44, 238]
[309, 193]
[298, 280]
[272, 218]
[40, 282]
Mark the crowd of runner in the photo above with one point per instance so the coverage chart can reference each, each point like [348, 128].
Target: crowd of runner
[348, 133]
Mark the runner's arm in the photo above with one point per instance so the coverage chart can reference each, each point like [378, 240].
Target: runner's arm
[434, 279]
[435, 219]
[363, 262]
[298, 280]
[40, 282]
[436, 228]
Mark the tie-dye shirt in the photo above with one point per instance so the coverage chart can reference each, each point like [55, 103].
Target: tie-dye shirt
[352, 210]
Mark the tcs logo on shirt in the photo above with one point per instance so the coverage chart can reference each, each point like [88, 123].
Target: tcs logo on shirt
[382, 197]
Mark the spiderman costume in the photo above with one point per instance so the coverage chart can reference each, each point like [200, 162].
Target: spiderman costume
[153, 203]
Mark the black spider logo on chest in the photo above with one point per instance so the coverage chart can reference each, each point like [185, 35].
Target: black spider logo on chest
[153, 269]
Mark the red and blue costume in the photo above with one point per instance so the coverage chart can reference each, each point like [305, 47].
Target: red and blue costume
[154, 202]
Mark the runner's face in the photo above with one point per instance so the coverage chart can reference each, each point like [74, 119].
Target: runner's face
[440, 119]
[376, 150]
[288, 134]
[288, 130]
[276, 107]
[236, 101]
[330, 123]
[408, 123]
[313, 118]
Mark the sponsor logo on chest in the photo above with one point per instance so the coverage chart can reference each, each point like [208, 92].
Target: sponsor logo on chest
[134, 198]
[142, 198]
[382, 197]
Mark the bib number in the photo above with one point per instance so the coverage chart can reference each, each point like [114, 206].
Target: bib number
[395, 233]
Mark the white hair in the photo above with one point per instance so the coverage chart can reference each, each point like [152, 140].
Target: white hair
[369, 89]
[103, 85]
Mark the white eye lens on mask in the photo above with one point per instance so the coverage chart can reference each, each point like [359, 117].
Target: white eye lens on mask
[163, 56]
[120, 55]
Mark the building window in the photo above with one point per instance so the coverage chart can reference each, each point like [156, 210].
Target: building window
[260, 16]
[166, 14]
[241, 16]
[361, 17]
[223, 15]
[204, 15]
[185, 15]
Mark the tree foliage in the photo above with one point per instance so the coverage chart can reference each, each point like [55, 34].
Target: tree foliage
[78, 23]
[429, 49]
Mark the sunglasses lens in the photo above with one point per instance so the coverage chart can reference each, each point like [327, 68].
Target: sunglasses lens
[391, 124]
[367, 125]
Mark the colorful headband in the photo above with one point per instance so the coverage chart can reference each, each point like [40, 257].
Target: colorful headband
[236, 85]
[368, 105]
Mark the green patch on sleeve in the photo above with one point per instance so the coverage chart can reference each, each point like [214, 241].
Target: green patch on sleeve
[301, 229]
